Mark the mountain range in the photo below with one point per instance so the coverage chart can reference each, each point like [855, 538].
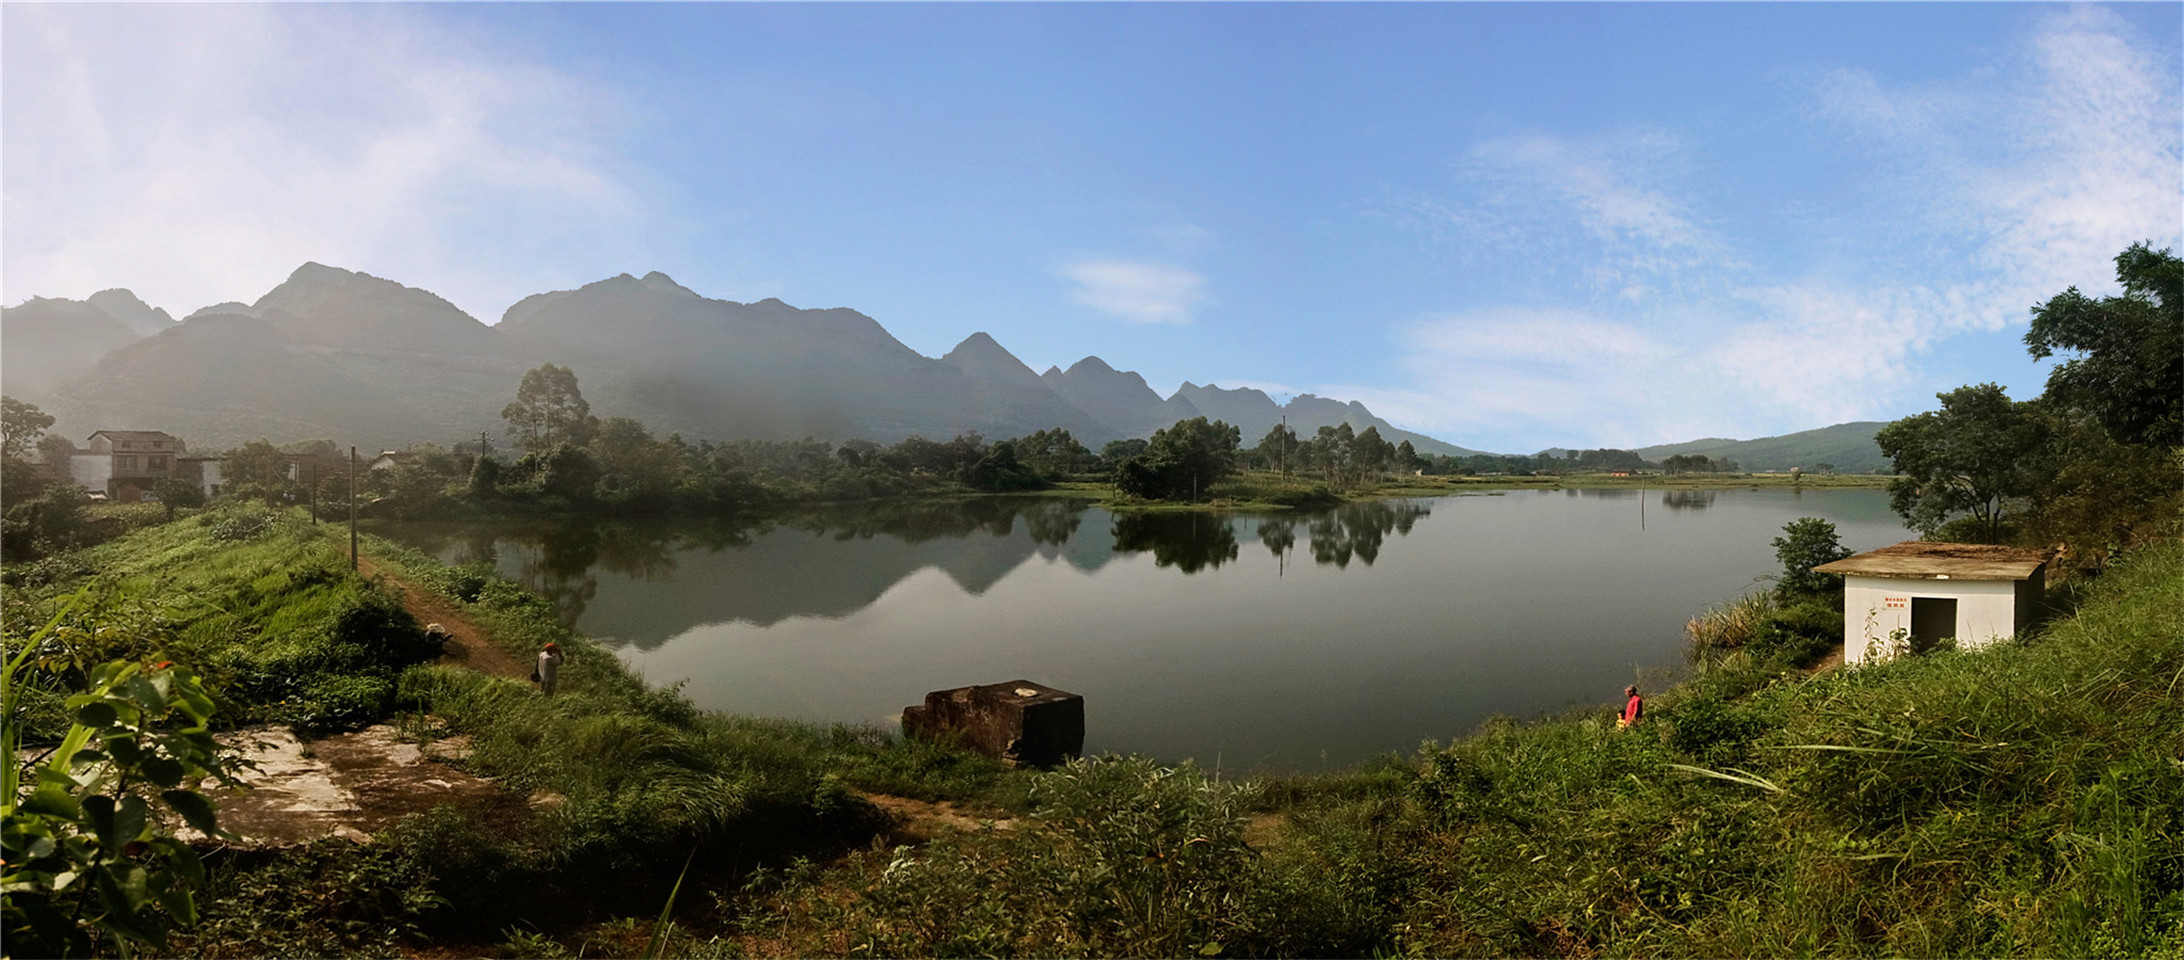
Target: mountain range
[336, 353]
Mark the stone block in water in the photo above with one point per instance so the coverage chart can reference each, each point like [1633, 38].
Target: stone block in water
[1021, 722]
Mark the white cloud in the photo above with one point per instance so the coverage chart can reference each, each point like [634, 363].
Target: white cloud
[199, 153]
[1981, 197]
[1609, 202]
[1515, 377]
[1137, 291]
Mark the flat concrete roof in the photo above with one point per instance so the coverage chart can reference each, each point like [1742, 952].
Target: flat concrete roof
[1916, 559]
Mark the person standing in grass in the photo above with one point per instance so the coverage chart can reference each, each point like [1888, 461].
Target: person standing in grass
[549, 668]
[1634, 709]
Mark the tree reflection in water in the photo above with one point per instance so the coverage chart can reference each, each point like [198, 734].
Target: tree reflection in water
[1687, 499]
[1358, 529]
[1279, 534]
[1189, 542]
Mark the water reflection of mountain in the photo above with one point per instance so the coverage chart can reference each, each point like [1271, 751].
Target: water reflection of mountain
[643, 582]
[662, 577]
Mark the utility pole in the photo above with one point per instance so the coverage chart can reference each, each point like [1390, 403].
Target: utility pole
[352, 509]
[485, 444]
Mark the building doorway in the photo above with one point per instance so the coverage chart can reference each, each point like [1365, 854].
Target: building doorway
[1933, 619]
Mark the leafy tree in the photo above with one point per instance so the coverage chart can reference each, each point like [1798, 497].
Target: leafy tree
[1805, 543]
[1181, 461]
[485, 478]
[1000, 470]
[89, 868]
[1330, 451]
[566, 472]
[2104, 496]
[409, 491]
[632, 462]
[21, 424]
[1053, 452]
[1278, 449]
[1117, 451]
[255, 469]
[48, 523]
[549, 409]
[1974, 456]
[55, 450]
[177, 492]
[2129, 372]
[1371, 454]
[1406, 457]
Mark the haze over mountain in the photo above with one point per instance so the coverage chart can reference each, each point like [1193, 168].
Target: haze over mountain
[46, 342]
[336, 353]
[1849, 447]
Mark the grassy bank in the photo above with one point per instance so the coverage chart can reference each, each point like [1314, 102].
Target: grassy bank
[2020, 800]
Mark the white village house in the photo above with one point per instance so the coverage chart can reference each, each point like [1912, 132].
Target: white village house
[123, 464]
[1970, 593]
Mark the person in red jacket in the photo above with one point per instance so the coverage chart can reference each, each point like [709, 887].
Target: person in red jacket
[1634, 709]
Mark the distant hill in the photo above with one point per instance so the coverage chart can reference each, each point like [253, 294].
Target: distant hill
[48, 341]
[336, 353]
[141, 318]
[1848, 446]
[1119, 399]
[327, 353]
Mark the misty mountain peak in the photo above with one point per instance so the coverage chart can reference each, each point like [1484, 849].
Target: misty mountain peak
[140, 317]
[224, 308]
[327, 306]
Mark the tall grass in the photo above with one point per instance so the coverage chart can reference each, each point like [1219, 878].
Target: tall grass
[1729, 626]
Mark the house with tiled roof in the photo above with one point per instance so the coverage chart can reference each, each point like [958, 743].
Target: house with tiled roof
[123, 464]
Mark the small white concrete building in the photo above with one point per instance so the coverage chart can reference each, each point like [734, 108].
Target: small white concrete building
[1971, 593]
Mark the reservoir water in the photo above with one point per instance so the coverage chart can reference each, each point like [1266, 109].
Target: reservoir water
[1292, 641]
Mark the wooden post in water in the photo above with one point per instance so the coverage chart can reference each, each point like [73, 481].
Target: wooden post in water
[352, 509]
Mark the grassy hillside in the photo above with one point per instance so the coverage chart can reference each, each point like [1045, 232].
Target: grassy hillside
[1849, 446]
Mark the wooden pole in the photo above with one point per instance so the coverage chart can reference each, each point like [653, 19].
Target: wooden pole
[352, 508]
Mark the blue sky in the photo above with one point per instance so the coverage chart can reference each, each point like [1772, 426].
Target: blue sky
[1510, 226]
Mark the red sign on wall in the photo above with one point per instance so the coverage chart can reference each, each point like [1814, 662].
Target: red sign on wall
[1895, 603]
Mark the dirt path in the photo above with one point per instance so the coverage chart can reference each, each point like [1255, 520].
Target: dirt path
[471, 647]
[350, 785]
[918, 821]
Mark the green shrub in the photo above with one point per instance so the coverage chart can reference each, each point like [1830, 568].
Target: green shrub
[240, 523]
[1712, 733]
[332, 704]
[1799, 634]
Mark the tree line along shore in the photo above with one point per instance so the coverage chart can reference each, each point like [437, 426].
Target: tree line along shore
[556, 458]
